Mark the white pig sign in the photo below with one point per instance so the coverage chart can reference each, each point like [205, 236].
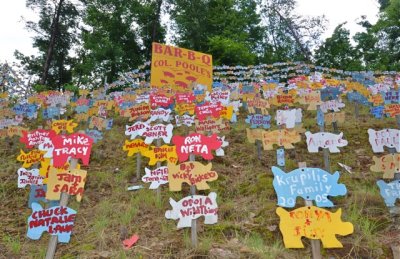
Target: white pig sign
[325, 140]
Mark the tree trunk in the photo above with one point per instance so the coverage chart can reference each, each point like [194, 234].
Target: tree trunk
[156, 18]
[54, 31]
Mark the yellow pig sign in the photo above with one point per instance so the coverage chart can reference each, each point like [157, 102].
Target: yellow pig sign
[313, 223]
[192, 173]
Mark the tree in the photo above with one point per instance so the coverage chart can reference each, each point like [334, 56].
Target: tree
[337, 51]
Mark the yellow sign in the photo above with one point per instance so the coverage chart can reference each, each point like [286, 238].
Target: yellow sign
[177, 66]
[161, 154]
[68, 181]
[135, 146]
[31, 157]
[60, 125]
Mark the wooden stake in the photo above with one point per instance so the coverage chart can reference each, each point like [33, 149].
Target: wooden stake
[158, 165]
[194, 221]
[51, 248]
[326, 151]
[138, 165]
[315, 244]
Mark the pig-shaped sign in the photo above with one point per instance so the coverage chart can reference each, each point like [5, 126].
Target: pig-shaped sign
[325, 140]
[258, 120]
[311, 99]
[210, 125]
[208, 109]
[161, 154]
[389, 191]
[192, 173]
[68, 181]
[36, 137]
[58, 220]
[76, 145]
[313, 223]
[288, 117]
[184, 120]
[135, 146]
[388, 164]
[193, 207]
[158, 131]
[308, 183]
[47, 147]
[31, 157]
[63, 125]
[386, 137]
[94, 134]
[285, 138]
[254, 134]
[37, 193]
[184, 98]
[160, 114]
[333, 105]
[30, 177]
[137, 129]
[160, 100]
[196, 144]
[156, 177]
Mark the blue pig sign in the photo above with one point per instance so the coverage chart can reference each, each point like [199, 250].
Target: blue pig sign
[389, 191]
[308, 183]
[259, 120]
[57, 220]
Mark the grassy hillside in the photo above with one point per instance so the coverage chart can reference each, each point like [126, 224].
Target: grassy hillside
[247, 225]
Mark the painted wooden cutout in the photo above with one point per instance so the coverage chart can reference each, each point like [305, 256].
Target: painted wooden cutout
[226, 112]
[156, 177]
[196, 144]
[335, 116]
[158, 131]
[161, 154]
[258, 103]
[31, 177]
[313, 223]
[192, 173]
[83, 92]
[160, 114]
[30, 158]
[193, 207]
[258, 120]
[308, 183]
[220, 151]
[325, 140]
[160, 100]
[184, 120]
[183, 108]
[76, 145]
[128, 243]
[392, 109]
[283, 99]
[15, 131]
[254, 134]
[288, 117]
[386, 137]
[82, 117]
[208, 110]
[333, 105]
[71, 182]
[184, 98]
[280, 156]
[94, 134]
[51, 112]
[137, 129]
[66, 125]
[135, 146]
[37, 193]
[58, 220]
[330, 93]
[98, 123]
[36, 137]
[285, 138]
[389, 191]
[388, 164]
[210, 125]
[47, 147]
[219, 96]
[141, 110]
[5, 123]
[312, 100]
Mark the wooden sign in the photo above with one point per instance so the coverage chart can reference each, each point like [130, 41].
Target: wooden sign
[31, 177]
[258, 103]
[254, 134]
[161, 154]
[309, 183]
[160, 114]
[158, 131]
[15, 131]
[6, 112]
[36, 137]
[193, 207]
[312, 100]
[388, 164]
[5, 123]
[288, 117]
[3, 133]
[335, 116]
[283, 99]
[178, 66]
[226, 112]
[66, 125]
[184, 120]
[47, 147]
[392, 109]
[376, 100]
[181, 98]
[81, 117]
[218, 96]
[389, 191]
[139, 111]
[258, 120]
[386, 137]
[220, 151]
[137, 129]
[156, 177]
[71, 182]
[30, 158]
[94, 134]
[160, 100]
[325, 140]
[313, 223]
[83, 92]
[208, 110]
[333, 105]
[135, 146]
[196, 144]
[210, 125]
[192, 173]
[285, 138]
[98, 123]
[37, 193]
[57, 220]
[183, 108]
[76, 145]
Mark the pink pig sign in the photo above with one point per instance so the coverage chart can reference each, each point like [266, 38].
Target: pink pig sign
[197, 144]
[75, 145]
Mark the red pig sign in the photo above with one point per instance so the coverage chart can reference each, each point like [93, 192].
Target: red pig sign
[75, 145]
[197, 144]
